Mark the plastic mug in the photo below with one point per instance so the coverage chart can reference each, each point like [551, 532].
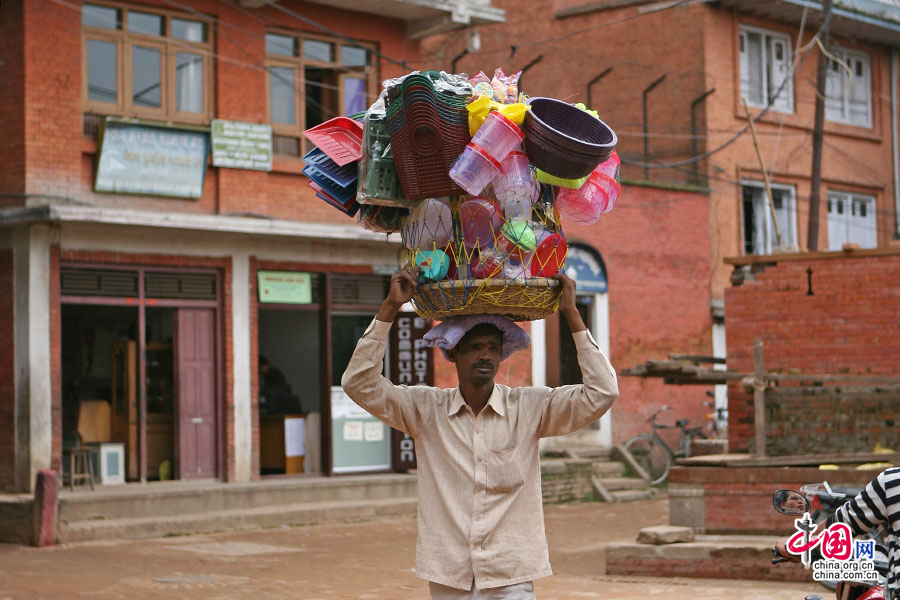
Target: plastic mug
[515, 186]
[609, 167]
[498, 135]
[584, 205]
[474, 169]
[610, 186]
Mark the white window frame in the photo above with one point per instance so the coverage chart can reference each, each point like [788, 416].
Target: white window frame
[847, 225]
[787, 230]
[841, 88]
[769, 79]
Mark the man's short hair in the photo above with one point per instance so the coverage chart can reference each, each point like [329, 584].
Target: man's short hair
[482, 329]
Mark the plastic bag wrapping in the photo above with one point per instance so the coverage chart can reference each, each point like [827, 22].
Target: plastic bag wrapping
[502, 88]
[381, 219]
[378, 182]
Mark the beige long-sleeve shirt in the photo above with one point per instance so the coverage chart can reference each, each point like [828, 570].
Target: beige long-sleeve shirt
[480, 512]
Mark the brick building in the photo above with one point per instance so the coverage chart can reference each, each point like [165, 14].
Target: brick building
[669, 77]
[818, 313]
[128, 290]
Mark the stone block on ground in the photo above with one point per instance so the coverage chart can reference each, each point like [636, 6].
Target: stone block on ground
[665, 534]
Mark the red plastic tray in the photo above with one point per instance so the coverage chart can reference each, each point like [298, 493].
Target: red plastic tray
[340, 138]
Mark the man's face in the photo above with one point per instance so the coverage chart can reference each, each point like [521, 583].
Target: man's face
[477, 358]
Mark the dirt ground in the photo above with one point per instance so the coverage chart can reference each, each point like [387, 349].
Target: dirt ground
[346, 561]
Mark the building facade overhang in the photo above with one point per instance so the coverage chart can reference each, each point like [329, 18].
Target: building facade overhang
[225, 224]
[421, 17]
[869, 20]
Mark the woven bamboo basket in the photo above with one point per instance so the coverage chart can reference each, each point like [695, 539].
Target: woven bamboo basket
[536, 298]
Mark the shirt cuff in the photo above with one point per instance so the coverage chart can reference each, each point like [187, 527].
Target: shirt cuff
[584, 340]
[378, 330]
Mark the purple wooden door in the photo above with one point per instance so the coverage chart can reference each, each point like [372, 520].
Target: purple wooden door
[196, 359]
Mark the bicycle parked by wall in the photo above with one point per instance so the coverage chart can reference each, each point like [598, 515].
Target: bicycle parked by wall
[652, 452]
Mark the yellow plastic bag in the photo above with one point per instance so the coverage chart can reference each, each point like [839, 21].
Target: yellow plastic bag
[482, 105]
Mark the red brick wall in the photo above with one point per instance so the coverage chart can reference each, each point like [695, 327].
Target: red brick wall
[739, 500]
[849, 324]
[7, 371]
[61, 160]
[579, 48]
[53, 119]
[656, 254]
[12, 109]
[227, 362]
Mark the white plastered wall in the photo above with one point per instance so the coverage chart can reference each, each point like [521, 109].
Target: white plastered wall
[33, 421]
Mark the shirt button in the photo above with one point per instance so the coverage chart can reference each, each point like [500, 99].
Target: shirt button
[479, 459]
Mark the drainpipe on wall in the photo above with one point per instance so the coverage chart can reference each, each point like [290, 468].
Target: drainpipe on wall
[895, 142]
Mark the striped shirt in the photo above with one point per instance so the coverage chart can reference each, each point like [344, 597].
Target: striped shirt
[480, 511]
[877, 504]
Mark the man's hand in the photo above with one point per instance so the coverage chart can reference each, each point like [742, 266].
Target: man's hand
[403, 285]
[781, 547]
[567, 303]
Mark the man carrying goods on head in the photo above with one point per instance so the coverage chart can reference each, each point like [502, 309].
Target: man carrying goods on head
[480, 515]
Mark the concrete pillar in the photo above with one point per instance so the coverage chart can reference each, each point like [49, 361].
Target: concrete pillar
[240, 315]
[33, 427]
[539, 353]
[600, 332]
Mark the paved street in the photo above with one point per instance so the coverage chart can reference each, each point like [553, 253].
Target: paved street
[345, 561]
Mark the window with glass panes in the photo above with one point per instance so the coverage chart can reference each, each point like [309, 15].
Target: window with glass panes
[766, 77]
[851, 218]
[311, 80]
[145, 63]
[848, 89]
[759, 228]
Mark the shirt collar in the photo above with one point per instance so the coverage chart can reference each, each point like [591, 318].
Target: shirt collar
[495, 402]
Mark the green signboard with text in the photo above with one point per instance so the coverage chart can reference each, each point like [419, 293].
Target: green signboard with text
[284, 287]
[241, 145]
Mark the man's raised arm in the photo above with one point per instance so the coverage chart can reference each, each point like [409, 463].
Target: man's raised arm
[363, 382]
[571, 407]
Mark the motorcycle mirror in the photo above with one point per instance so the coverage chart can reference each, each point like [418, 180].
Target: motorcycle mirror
[790, 502]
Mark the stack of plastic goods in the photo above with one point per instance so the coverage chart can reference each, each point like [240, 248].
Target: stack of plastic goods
[332, 165]
[429, 130]
[379, 183]
[597, 195]
[477, 179]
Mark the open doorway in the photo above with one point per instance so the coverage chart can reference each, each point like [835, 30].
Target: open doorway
[99, 383]
[289, 391]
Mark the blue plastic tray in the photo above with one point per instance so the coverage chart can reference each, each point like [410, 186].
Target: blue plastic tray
[339, 192]
[343, 176]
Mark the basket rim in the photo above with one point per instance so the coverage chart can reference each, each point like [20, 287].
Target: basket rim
[537, 281]
[565, 137]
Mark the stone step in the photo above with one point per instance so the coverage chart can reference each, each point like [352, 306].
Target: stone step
[241, 519]
[631, 495]
[164, 499]
[590, 452]
[604, 469]
[623, 483]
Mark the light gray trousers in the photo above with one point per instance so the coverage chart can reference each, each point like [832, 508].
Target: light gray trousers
[518, 591]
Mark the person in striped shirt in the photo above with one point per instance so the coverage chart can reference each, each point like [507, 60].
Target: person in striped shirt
[878, 504]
